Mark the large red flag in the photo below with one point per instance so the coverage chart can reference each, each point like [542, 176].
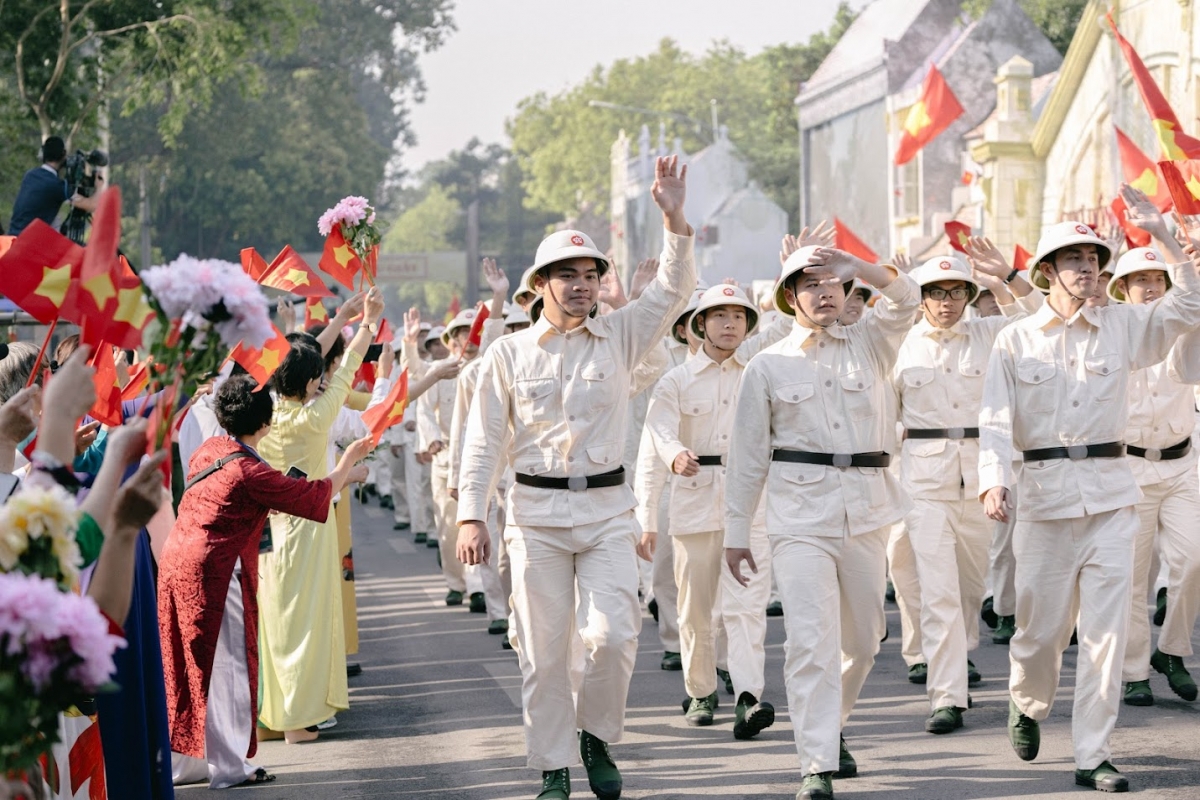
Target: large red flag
[1176, 145]
[36, 271]
[291, 273]
[100, 255]
[1140, 172]
[338, 259]
[107, 407]
[928, 117]
[847, 241]
[959, 234]
[1183, 181]
[253, 264]
[315, 313]
[390, 412]
[261, 364]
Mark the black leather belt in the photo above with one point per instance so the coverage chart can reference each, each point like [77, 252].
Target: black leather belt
[1167, 454]
[879, 459]
[1077, 451]
[711, 461]
[576, 484]
[942, 433]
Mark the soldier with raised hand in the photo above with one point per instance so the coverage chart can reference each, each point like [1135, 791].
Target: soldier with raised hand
[1056, 391]
[552, 402]
[938, 380]
[813, 428]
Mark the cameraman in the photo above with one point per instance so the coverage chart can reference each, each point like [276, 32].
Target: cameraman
[43, 192]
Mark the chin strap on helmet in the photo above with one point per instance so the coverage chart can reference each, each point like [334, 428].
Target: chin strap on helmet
[1080, 300]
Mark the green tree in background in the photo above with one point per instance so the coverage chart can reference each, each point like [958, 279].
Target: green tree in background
[426, 226]
[1056, 18]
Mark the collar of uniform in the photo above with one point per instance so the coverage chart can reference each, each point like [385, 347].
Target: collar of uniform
[701, 360]
[1045, 316]
[592, 324]
[925, 328]
[800, 334]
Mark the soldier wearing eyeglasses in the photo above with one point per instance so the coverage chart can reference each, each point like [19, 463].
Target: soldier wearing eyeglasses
[942, 557]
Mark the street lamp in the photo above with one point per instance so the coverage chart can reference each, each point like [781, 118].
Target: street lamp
[697, 126]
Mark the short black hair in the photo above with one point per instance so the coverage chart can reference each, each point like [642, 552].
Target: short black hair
[302, 364]
[241, 410]
[53, 149]
[336, 350]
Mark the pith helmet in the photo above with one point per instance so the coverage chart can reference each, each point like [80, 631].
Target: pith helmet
[1136, 260]
[517, 317]
[796, 262]
[947, 268]
[433, 334]
[562, 246]
[464, 319]
[685, 316]
[723, 295]
[1058, 236]
[525, 287]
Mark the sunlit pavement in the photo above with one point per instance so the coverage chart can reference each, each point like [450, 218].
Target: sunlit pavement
[436, 714]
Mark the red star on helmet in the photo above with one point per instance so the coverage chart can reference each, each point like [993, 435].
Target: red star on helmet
[729, 292]
[577, 240]
[945, 265]
[1151, 256]
[1082, 229]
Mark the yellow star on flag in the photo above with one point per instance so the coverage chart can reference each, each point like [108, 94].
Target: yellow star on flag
[1166, 138]
[299, 277]
[917, 119]
[397, 410]
[1193, 186]
[54, 284]
[1147, 183]
[318, 312]
[132, 308]
[101, 289]
[343, 254]
[269, 360]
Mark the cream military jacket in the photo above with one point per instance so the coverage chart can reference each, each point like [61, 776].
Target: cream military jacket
[694, 408]
[1054, 382]
[825, 391]
[939, 384]
[650, 476]
[556, 404]
[1162, 411]
[435, 410]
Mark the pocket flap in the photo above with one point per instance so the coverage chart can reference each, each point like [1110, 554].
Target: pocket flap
[916, 377]
[605, 454]
[794, 392]
[1034, 371]
[700, 480]
[532, 465]
[533, 388]
[926, 447]
[598, 370]
[857, 381]
[802, 474]
[1102, 365]
[695, 408]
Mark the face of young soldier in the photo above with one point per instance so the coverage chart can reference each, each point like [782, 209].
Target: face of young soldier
[987, 306]
[1144, 286]
[1077, 269]
[461, 346]
[572, 284]
[944, 313]
[812, 300]
[853, 310]
[725, 327]
[436, 349]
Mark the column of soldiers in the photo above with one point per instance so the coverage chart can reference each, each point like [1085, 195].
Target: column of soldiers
[881, 420]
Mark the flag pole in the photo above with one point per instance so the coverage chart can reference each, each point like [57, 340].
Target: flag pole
[41, 354]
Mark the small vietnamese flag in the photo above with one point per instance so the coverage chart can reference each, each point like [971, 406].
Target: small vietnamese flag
[1141, 173]
[253, 264]
[261, 364]
[107, 407]
[928, 117]
[959, 234]
[1183, 181]
[291, 273]
[847, 241]
[1134, 236]
[1021, 258]
[36, 271]
[390, 412]
[100, 255]
[452, 310]
[315, 313]
[338, 259]
[1176, 145]
[139, 379]
[475, 336]
[384, 336]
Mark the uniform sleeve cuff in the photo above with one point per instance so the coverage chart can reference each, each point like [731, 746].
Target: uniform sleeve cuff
[669, 453]
[469, 508]
[737, 537]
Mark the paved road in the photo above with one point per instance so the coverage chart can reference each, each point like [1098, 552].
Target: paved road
[436, 714]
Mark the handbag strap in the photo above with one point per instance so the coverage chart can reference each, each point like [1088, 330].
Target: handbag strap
[216, 465]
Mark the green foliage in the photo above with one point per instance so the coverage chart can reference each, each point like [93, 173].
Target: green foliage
[426, 226]
[1056, 18]
[563, 145]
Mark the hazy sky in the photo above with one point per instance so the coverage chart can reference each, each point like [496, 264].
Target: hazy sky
[505, 50]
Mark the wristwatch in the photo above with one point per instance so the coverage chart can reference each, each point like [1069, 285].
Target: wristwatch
[1012, 275]
[373, 327]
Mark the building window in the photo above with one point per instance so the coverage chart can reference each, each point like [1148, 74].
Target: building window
[908, 190]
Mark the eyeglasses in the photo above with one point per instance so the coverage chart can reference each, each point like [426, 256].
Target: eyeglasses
[941, 294]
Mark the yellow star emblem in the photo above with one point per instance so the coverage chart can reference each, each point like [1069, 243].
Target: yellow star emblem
[132, 308]
[1193, 186]
[343, 254]
[397, 410]
[1147, 183]
[298, 277]
[101, 289]
[54, 284]
[917, 119]
[269, 360]
[317, 311]
[1166, 138]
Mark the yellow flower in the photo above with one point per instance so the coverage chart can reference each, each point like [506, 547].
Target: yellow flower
[36, 512]
[13, 542]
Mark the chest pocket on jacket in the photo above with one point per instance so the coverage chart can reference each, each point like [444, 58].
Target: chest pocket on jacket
[535, 400]
[1036, 391]
[692, 410]
[859, 398]
[793, 408]
[600, 384]
[1103, 377]
[916, 378]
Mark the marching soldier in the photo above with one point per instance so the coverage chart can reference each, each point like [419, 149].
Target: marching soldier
[939, 383]
[553, 399]
[1056, 391]
[811, 430]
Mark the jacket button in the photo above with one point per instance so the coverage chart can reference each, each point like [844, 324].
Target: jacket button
[829, 383]
[601, 376]
[695, 411]
[795, 397]
[860, 386]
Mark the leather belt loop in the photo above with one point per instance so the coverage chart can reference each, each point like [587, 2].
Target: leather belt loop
[711, 461]
[842, 460]
[942, 433]
[578, 483]
[1175, 451]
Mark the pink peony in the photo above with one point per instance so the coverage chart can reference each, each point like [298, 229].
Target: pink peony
[349, 211]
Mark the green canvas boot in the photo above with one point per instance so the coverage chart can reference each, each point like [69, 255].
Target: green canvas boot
[973, 676]
[556, 784]
[672, 662]
[603, 775]
[724, 676]
[453, 598]
[478, 603]
[1178, 678]
[498, 626]
[847, 766]
[700, 710]
[1160, 607]
[751, 717]
[1103, 778]
[1005, 630]
[818, 786]
[1138, 693]
[1024, 733]
[918, 673]
[946, 719]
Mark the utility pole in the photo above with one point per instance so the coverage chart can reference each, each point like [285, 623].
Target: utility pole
[143, 217]
[472, 254]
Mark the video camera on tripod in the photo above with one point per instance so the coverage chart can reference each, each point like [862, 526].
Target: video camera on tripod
[80, 174]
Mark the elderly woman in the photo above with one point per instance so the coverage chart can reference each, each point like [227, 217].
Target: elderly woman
[208, 581]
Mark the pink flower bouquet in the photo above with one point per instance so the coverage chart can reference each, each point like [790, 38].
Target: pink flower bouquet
[356, 219]
[55, 652]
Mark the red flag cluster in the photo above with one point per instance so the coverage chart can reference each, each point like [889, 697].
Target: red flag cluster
[261, 364]
[390, 412]
[288, 272]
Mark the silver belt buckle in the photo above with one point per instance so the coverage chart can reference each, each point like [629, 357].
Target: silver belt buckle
[577, 483]
[1153, 454]
[1076, 452]
[842, 459]
[956, 433]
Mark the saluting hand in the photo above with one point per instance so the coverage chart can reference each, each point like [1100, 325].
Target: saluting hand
[834, 266]
[669, 192]
[824, 235]
[642, 276]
